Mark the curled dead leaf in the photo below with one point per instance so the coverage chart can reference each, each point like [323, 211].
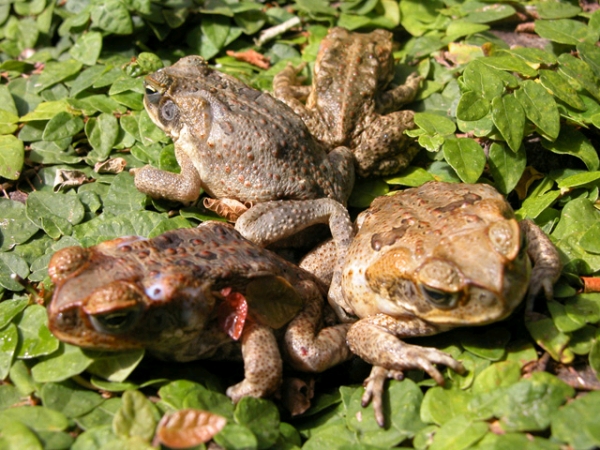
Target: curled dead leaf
[112, 165]
[591, 284]
[188, 427]
[228, 208]
[252, 57]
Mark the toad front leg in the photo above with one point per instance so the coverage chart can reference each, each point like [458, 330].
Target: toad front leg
[376, 339]
[262, 364]
[183, 187]
[546, 262]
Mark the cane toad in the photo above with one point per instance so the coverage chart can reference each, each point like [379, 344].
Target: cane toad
[192, 294]
[432, 258]
[246, 149]
[350, 102]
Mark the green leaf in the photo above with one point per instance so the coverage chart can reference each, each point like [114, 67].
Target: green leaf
[34, 337]
[114, 367]
[111, 16]
[547, 336]
[531, 403]
[69, 398]
[466, 157]
[483, 79]
[37, 418]
[459, 433]
[434, 123]
[216, 29]
[365, 191]
[401, 404]
[562, 320]
[12, 265]
[556, 10]
[483, 12]
[489, 344]
[87, 48]
[100, 416]
[575, 423]
[591, 55]
[7, 103]
[10, 308]
[540, 108]
[46, 110]
[236, 436]
[506, 166]
[472, 106]
[563, 31]
[15, 228]
[61, 126]
[461, 28]
[136, 417]
[560, 88]
[509, 118]
[123, 196]
[15, 435]
[8, 122]
[8, 344]
[261, 417]
[505, 60]
[55, 72]
[498, 375]
[411, 176]
[54, 213]
[67, 362]
[578, 71]
[12, 156]
[102, 133]
[573, 142]
[442, 405]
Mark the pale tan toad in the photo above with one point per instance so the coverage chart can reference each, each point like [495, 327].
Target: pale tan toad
[195, 293]
[350, 102]
[429, 259]
[247, 149]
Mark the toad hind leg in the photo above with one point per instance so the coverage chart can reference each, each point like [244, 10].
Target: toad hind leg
[263, 367]
[307, 349]
[383, 148]
[269, 222]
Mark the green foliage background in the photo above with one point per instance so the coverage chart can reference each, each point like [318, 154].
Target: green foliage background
[524, 119]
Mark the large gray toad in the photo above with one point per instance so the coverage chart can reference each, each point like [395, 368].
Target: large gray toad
[245, 148]
[350, 102]
[195, 293]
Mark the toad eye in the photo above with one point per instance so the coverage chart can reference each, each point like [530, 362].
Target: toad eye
[115, 322]
[152, 95]
[169, 111]
[439, 298]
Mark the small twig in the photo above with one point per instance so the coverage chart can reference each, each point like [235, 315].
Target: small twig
[273, 32]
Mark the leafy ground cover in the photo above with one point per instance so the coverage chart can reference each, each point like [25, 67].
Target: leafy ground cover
[523, 118]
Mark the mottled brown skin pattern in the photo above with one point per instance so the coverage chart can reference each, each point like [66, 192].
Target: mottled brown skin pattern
[244, 148]
[350, 102]
[164, 295]
[432, 258]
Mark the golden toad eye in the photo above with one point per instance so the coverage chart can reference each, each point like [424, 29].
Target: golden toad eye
[115, 322]
[440, 299]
